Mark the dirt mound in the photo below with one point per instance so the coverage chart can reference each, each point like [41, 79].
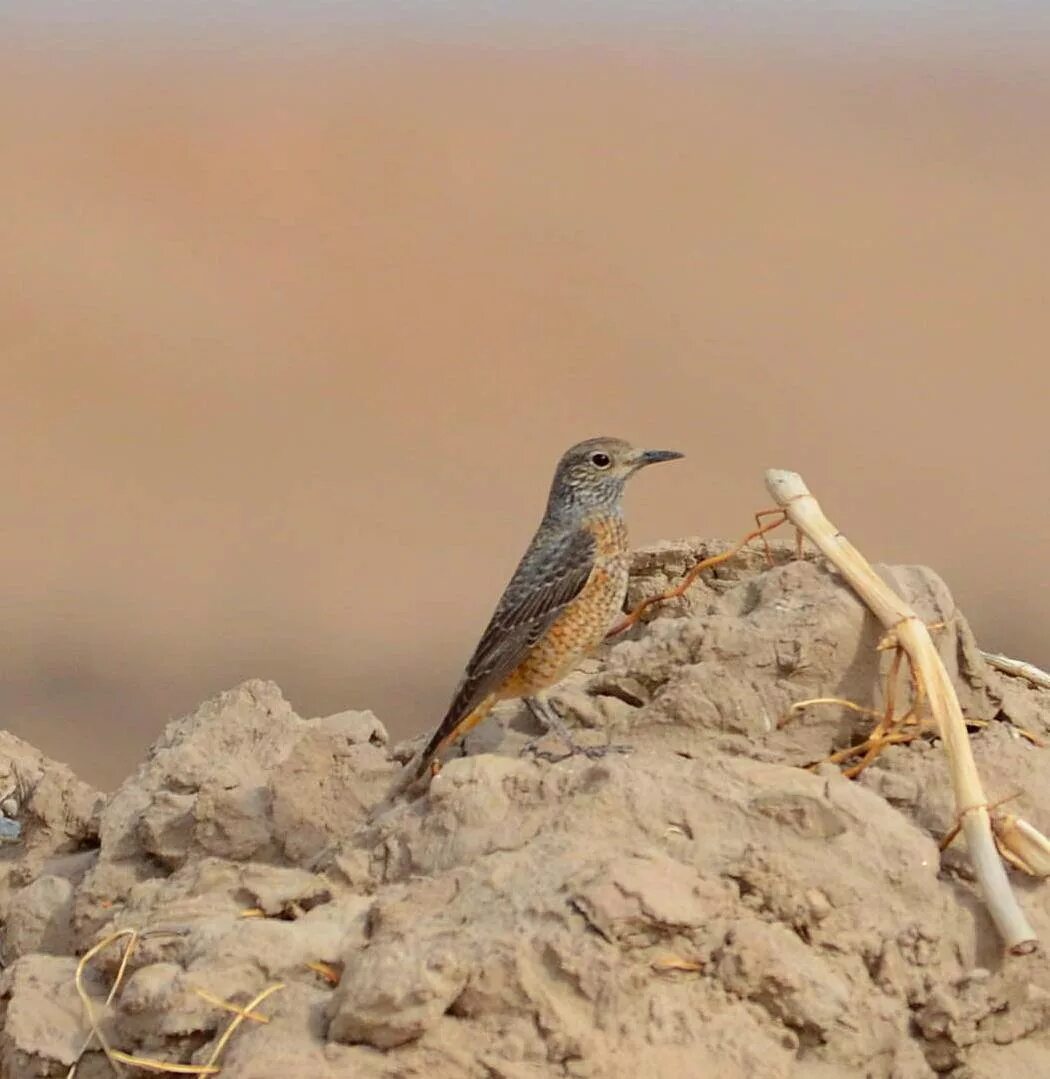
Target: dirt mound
[701, 905]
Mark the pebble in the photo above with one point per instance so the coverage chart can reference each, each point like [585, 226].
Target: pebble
[819, 904]
[10, 830]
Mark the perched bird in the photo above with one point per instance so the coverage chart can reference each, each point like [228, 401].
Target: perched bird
[568, 588]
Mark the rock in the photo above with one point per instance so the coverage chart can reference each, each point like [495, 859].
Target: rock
[41, 920]
[640, 900]
[389, 996]
[702, 905]
[771, 966]
[43, 1017]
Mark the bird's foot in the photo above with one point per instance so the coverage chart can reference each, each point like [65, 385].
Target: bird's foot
[534, 748]
[574, 749]
[595, 753]
[547, 715]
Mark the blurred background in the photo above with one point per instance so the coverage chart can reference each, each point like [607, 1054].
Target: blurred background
[301, 302]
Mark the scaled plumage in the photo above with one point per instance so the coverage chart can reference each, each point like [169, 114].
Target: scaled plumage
[568, 587]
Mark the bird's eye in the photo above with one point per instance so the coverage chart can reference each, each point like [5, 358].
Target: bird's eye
[601, 460]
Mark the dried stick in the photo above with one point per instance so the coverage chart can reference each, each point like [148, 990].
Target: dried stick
[1018, 669]
[910, 632]
[226, 1006]
[117, 1058]
[249, 1009]
[85, 1000]
[683, 585]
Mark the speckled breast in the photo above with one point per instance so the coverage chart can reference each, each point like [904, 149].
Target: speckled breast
[582, 626]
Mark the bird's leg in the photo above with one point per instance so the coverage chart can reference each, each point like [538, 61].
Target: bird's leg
[548, 716]
[550, 720]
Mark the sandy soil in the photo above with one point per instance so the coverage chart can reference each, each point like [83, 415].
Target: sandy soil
[702, 905]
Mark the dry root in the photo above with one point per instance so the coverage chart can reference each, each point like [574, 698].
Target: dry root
[685, 583]
[889, 729]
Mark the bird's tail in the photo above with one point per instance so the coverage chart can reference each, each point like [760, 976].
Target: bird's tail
[452, 728]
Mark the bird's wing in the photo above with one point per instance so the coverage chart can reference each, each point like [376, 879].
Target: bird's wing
[550, 575]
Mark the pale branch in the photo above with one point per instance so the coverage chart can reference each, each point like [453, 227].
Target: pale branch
[911, 634]
[1018, 669]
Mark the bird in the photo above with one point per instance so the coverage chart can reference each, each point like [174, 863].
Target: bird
[565, 593]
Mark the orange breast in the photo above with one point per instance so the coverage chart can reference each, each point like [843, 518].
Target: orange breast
[582, 626]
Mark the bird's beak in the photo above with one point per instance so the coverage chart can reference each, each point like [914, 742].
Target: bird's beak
[653, 457]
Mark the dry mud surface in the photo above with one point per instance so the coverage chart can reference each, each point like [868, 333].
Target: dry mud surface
[701, 906]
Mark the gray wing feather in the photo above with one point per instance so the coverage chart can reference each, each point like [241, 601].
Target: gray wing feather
[551, 574]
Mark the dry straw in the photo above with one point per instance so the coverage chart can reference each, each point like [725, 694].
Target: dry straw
[988, 833]
[908, 633]
[117, 1059]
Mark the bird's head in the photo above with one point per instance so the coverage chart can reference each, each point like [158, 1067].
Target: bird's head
[591, 475]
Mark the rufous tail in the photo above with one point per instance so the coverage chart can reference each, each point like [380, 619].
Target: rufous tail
[451, 730]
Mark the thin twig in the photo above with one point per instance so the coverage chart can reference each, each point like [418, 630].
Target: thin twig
[85, 1000]
[240, 1018]
[115, 1057]
[166, 1067]
[682, 587]
[935, 686]
[227, 1006]
[871, 713]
